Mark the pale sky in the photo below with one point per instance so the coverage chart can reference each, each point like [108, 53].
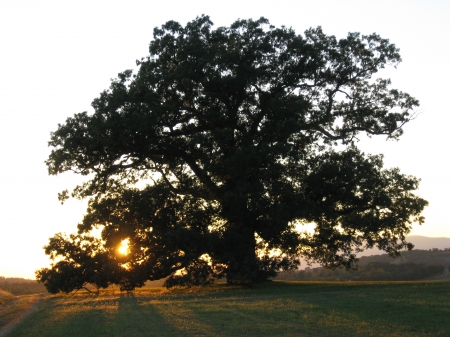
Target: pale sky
[57, 56]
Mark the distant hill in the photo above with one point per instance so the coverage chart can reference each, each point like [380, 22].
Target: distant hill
[429, 264]
[425, 242]
[428, 257]
[19, 286]
[419, 242]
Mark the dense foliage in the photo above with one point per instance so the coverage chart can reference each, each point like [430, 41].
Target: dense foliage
[212, 157]
[81, 260]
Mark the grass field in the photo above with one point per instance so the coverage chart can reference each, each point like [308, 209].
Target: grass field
[275, 309]
[5, 297]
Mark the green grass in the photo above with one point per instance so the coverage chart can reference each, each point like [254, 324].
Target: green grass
[275, 309]
[15, 310]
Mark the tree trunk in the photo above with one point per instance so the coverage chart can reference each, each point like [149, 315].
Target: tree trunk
[243, 265]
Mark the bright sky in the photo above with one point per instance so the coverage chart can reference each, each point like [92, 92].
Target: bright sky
[57, 56]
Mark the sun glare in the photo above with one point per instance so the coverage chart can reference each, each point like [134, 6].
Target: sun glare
[123, 248]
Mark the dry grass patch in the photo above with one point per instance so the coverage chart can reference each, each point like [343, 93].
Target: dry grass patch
[16, 310]
[5, 297]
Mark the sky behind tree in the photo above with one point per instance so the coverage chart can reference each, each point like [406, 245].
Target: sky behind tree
[57, 57]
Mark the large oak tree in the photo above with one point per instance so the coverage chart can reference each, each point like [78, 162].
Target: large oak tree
[224, 143]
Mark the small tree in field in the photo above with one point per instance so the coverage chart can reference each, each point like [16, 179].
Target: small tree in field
[79, 261]
[225, 142]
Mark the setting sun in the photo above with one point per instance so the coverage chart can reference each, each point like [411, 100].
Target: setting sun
[123, 248]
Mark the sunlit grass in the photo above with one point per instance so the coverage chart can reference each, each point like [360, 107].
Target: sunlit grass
[15, 309]
[276, 309]
[5, 297]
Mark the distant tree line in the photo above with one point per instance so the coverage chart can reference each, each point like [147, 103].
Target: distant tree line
[427, 257]
[411, 265]
[374, 271]
[20, 286]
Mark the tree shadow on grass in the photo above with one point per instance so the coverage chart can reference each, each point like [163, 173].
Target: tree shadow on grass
[278, 310]
[315, 310]
[96, 315]
[138, 317]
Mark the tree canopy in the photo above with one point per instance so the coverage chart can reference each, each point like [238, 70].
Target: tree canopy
[215, 153]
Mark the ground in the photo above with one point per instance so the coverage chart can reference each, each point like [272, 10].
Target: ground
[13, 312]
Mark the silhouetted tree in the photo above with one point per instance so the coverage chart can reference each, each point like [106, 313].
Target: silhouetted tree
[226, 141]
[79, 260]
